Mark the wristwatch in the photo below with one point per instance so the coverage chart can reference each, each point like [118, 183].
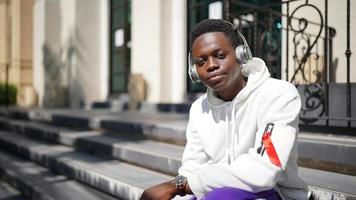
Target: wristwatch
[180, 182]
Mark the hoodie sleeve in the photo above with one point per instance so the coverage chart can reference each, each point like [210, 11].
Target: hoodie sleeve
[194, 156]
[251, 171]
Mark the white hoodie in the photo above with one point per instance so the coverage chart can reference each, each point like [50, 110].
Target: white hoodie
[223, 137]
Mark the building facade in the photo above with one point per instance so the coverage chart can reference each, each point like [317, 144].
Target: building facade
[66, 53]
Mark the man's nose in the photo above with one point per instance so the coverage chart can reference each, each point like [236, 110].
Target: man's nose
[212, 64]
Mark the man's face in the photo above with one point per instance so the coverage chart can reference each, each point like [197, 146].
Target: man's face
[215, 61]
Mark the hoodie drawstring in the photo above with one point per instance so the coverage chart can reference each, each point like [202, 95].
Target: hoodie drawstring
[233, 143]
[227, 134]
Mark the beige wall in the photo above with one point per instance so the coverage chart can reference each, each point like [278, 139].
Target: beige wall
[27, 94]
[4, 48]
[16, 43]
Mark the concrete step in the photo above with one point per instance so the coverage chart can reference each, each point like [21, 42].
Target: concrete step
[158, 156]
[325, 183]
[7, 192]
[165, 107]
[169, 127]
[155, 155]
[47, 132]
[116, 178]
[37, 182]
[143, 106]
[327, 152]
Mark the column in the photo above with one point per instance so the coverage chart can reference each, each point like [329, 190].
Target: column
[146, 44]
[46, 48]
[179, 51]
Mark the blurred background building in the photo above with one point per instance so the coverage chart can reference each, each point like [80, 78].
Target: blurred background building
[70, 53]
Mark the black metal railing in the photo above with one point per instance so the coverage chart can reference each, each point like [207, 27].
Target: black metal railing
[301, 46]
[348, 55]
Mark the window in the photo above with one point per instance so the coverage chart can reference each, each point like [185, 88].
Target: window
[120, 36]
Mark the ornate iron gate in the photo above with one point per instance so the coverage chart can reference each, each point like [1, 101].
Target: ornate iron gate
[299, 42]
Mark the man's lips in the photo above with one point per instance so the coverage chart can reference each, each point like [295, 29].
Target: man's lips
[215, 76]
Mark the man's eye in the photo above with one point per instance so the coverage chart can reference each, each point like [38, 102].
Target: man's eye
[199, 61]
[220, 55]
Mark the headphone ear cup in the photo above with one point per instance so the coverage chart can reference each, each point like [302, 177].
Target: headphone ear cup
[193, 74]
[192, 71]
[243, 54]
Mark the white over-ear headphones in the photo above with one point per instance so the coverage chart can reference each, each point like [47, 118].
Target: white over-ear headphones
[242, 52]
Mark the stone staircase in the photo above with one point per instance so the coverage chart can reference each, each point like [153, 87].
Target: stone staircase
[106, 154]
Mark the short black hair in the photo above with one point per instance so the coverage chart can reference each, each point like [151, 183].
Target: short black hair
[215, 25]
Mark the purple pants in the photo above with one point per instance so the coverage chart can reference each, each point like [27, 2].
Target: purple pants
[230, 193]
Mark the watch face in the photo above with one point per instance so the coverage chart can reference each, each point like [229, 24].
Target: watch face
[180, 180]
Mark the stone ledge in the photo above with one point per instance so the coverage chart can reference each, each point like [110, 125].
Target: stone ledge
[324, 194]
[7, 192]
[38, 183]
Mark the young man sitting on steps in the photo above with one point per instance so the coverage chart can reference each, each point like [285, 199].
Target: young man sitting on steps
[242, 133]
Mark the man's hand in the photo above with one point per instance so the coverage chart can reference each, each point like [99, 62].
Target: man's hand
[163, 191]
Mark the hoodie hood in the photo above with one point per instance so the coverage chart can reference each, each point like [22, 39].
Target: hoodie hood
[256, 71]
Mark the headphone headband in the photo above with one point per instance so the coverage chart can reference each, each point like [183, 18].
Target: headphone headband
[236, 28]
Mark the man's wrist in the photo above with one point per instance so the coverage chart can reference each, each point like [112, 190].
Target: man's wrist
[187, 189]
[180, 183]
